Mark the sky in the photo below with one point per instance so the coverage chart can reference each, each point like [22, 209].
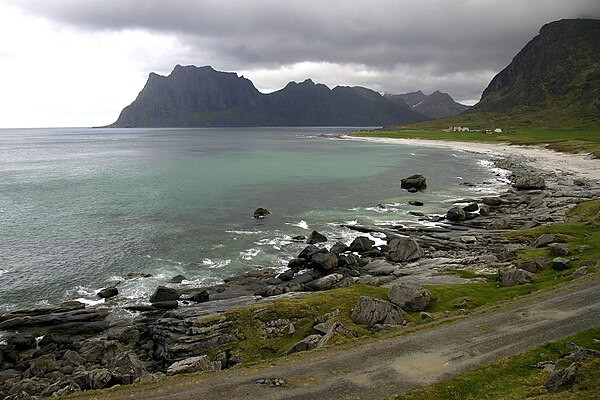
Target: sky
[77, 63]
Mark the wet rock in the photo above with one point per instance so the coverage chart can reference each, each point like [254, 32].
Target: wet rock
[472, 207]
[163, 294]
[404, 249]
[468, 239]
[135, 275]
[297, 264]
[370, 311]
[260, 213]
[361, 244]
[287, 275]
[416, 182]
[530, 182]
[166, 305]
[323, 261]
[199, 297]
[416, 203]
[561, 264]
[177, 279]
[511, 276]
[338, 248]
[558, 249]
[193, 364]
[456, 214]
[108, 292]
[492, 201]
[316, 237]
[310, 251]
[410, 297]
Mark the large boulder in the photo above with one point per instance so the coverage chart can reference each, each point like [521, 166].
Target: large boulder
[492, 201]
[533, 265]
[414, 183]
[410, 297]
[127, 367]
[511, 276]
[370, 311]
[43, 365]
[323, 261]
[558, 249]
[361, 244]
[530, 182]
[456, 214]
[316, 237]
[404, 249]
[309, 251]
[260, 213]
[324, 283]
[544, 240]
[193, 364]
[108, 292]
[561, 264]
[339, 248]
[163, 294]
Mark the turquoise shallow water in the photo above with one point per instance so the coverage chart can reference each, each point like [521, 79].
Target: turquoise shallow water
[80, 207]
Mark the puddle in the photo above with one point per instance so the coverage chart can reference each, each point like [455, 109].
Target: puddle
[421, 367]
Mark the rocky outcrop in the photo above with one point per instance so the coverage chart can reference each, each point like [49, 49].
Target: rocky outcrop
[410, 297]
[404, 249]
[370, 311]
[414, 183]
[260, 213]
[316, 237]
[193, 364]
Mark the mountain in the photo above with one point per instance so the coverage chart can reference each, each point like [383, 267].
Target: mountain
[553, 80]
[435, 105]
[201, 96]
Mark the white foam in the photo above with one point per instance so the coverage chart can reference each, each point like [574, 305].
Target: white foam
[242, 232]
[302, 224]
[249, 254]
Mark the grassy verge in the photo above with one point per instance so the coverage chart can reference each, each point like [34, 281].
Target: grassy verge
[516, 377]
[568, 141]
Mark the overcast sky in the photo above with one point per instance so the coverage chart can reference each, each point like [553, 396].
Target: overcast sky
[79, 62]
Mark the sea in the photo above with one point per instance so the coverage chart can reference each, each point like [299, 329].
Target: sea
[82, 208]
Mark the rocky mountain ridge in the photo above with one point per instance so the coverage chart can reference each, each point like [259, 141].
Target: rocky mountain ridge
[435, 105]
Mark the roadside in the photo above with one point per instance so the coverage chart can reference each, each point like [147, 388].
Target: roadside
[385, 367]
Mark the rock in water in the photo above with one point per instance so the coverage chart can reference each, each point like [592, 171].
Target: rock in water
[530, 182]
[410, 297]
[177, 279]
[108, 292]
[456, 214]
[404, 249]
[370, 311]
[163, 294]
[416, 182]
[261, 213]
[316, 237]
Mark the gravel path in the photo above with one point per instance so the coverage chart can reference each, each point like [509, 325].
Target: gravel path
[395, 364]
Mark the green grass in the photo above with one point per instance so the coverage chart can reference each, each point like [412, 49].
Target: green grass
[585, 141]
[516, 378]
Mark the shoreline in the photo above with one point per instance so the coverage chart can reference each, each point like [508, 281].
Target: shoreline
[537, 157]
[155, 337]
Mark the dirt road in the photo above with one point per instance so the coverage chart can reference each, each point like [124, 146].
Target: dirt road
[393, 365]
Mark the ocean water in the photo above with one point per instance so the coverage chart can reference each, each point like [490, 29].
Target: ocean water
[83, 207]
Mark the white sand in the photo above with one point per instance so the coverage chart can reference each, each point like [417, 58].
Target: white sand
[577, 165]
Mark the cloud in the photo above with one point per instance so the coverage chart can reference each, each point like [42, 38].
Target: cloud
[388, 45]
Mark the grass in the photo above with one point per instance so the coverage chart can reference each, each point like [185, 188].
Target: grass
[516, 377]
[564, 140]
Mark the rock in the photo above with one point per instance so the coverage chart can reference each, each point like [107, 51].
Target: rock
[425, 315]
[308, 343]
[561, 264]
[533, 265]
[484, 211]
[584, 248]
[558, 249]
[562, 377]
[349, 261]
[286, 275]
[193, 364]
[166, 305]
[108, 292]
[22, 341]
[361, 244]
[416, 182]
[199, 297]
[43, 365]
[271, 382]
[29, 387]
[544, 240]
[324, 283]
[296, 264]
[338, 248]
[468, 239]
[492, 201]
[164, 293]
[410, 297]
[316, 237]
[323, 261]
[99, 378]
[311, 250]
[299, 238]
[529, 182]
[261, 213]
[456, 214]
[472, 207]
[135, 275]
[499, 223]
[589, 263]
[404, 249]
[73, 358]
[177, 279]
[579, 272]
[511, 276]
[370, 311]
[127, 367]
[416, 203]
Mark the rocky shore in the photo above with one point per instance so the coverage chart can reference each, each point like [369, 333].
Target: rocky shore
[56, 350]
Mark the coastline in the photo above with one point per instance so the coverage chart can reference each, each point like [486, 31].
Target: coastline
[155, 337]
[536, 156]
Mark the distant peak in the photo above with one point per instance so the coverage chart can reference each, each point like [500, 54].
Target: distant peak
[308, 81]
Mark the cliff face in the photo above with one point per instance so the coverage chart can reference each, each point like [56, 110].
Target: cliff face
[557, 72]
[201, 96]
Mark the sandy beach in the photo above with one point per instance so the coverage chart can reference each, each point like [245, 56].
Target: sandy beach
[578, 165]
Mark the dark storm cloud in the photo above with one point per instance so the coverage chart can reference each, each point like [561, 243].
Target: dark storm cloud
[457, 39]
